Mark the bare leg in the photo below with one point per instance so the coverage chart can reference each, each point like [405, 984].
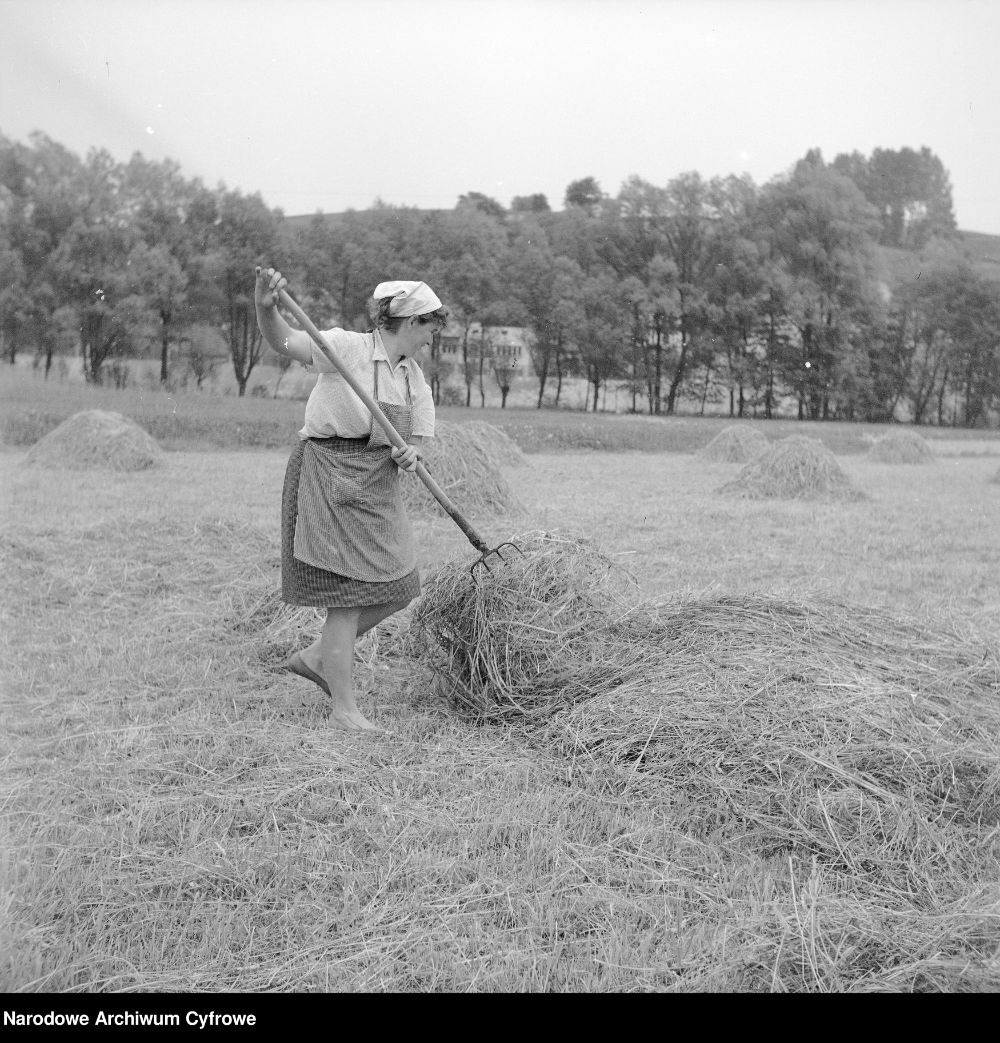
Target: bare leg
[369, 616]
[337, 654]
[374, 614]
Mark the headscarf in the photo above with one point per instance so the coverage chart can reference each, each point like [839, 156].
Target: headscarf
[409, 298]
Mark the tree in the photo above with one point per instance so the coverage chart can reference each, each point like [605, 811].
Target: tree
[910, 190]
[688, 241]
[466, 272]
[957, 341]
[737, 286]
[819, 229]
[246, 235]
[64, 334]
[176, 219]
[498, 313]
[284, 365]
[974, 327]
[201, 356]
[530, 273]
[635, 246]
[920, 341]
[585, 194]
[504, 366]
[578, 236]
[533, 204]
[47, 182]
[157, 276]
[484, 203]
[13, 293]
[568, 288]
[546, 288]
[637, 306]
[41, 196]
[877, 381]
[600, 328]
[662, 302]
[90, 272]
[636, 228]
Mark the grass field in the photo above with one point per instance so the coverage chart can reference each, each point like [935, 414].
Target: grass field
[179, 814]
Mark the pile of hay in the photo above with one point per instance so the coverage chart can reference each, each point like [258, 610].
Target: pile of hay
[502, 449]
[797, 467]
[901, 447]
[96, 439]
[465, 460]
[532, 629]
[766, 724]
[736, 444]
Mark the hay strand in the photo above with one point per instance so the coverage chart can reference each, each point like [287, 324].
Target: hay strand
[797, 467]
[96, 439]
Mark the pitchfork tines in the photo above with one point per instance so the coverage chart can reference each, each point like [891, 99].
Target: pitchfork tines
[496, 556]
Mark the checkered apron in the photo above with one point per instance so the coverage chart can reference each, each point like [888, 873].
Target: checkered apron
[346, 537]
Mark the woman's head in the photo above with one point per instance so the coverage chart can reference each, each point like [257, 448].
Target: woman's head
[396, 303]
[382, 318]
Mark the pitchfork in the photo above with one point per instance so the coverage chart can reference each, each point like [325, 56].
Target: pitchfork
[486, 554]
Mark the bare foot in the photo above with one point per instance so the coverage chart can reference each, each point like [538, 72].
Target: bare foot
[311, 657]
[298, 664]
[353, 722]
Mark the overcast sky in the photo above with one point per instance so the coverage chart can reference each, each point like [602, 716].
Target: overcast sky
[330, 104]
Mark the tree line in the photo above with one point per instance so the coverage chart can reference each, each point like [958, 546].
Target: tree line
[840, 287]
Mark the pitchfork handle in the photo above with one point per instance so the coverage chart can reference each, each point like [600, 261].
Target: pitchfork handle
[384, 422]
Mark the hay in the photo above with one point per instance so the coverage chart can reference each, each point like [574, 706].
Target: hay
[502, 449]
[762, 723]
[797, 467]
[465, 460]
[901, 447]
[736, 444]
[531, 628]
[96, 439]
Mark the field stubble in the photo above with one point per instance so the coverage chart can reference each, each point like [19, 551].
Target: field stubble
[180, 816]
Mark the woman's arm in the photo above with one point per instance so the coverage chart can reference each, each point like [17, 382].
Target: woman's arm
[296, 344]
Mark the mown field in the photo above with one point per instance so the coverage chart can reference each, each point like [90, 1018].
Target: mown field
[179, 815]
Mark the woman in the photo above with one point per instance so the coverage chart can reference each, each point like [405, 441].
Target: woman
[346, 541]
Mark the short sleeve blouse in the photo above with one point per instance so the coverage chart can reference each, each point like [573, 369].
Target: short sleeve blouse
[334, 409]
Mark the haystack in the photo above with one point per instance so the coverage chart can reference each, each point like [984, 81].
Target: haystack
[96, 439]
[759, 722]
[465, 460]
[797, 467]
[736, 444]
[901, 447]
[529, 631]
[503, 450]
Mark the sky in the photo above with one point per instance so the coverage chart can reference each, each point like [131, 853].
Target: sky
[332, 104]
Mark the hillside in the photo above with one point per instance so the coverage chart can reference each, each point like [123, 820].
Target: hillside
[981, 250]
[984, 252]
